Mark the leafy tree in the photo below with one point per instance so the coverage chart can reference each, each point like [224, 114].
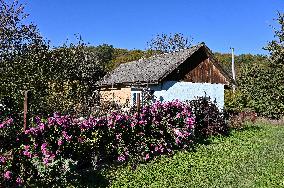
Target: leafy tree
[58, 79]
[124, 55]
[168, 43]
[262, 85]
[103, 55]
[75, 69]
[275, 73]
[23, 56]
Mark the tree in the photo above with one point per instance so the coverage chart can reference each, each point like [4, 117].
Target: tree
[103, 55]
[75, 69]
[23, 56]
[58, 79]
[275, 73]
[262, 85]
[168, 43]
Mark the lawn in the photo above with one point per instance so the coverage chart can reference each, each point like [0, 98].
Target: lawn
[253, 157]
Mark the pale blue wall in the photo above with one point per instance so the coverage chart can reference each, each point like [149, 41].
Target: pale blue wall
[172, 90]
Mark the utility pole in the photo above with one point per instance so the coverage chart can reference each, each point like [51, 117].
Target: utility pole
[233, 69]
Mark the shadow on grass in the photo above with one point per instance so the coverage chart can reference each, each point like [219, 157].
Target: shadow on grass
[93, 178]
[90, 178]
[249, 127]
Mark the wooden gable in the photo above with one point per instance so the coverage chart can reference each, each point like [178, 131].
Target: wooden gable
[199, 68]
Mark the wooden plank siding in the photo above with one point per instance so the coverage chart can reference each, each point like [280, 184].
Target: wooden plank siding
[198, 69]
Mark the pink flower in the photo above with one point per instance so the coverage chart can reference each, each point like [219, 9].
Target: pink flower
[178, 115]
[7, 175]
[37, 119]
[9, 121]
[118, 136]
[66, 136]
[121, 158]
[178, 133]
[51, 121]
[177, 141]
[59, 142]
[52, 157]
[45, 161]
[2, 159]
[19, 181]
[56, 115]
[43, 146]
[26, 147]
[118, 117]
[189, 121]
[141, 122]
[27, 153]
[147, 156]
[156, 148]
[41, 126]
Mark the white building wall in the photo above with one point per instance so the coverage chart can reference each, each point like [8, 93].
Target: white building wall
[172, 90]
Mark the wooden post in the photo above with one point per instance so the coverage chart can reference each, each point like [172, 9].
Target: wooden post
[25, 110]
[138, 101]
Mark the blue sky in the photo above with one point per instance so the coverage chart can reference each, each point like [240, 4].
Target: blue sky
[221, 24]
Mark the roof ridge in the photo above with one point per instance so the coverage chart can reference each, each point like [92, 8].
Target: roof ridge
[153, 68]
[167, 53]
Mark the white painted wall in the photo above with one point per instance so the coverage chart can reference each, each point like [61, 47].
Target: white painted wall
[171, 90]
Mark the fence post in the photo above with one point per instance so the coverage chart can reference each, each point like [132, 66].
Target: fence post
[25, 110]
[138, 102]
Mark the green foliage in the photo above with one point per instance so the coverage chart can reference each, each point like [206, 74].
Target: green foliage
[260, 79]
[248, 158]
[23, 56]
[104, 54]
[124, 55]
[58, 79]
[241, 61]
[75, 69]
[262, 85]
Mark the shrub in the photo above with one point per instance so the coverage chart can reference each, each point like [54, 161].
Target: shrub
[55, 149]
[209, 120]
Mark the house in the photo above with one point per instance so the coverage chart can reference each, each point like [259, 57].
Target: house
[183, 75]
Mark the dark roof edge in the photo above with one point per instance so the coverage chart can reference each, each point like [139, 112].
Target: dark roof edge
[198, 46]
[219, 66]
[128, 84]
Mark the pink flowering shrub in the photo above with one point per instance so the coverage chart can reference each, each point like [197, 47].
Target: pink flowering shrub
[60, 146]
[209, 120]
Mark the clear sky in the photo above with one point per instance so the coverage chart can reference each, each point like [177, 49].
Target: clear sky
[221, 24]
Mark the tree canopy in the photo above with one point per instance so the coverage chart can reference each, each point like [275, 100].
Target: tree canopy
[169, 42]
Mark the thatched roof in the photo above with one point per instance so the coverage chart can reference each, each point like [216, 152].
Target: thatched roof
[150, 70]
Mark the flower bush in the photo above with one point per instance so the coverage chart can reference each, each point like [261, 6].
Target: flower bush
[55, 149]
[209, 120]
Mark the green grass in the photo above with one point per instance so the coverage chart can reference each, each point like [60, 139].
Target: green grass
[253, 157]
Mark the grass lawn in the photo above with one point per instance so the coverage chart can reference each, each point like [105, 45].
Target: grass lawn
[253, 157]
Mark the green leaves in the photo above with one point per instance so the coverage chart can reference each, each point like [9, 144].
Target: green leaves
[248, 158]
[261, 83]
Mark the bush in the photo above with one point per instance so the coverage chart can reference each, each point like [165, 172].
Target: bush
[56, 149]
[209, 120]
